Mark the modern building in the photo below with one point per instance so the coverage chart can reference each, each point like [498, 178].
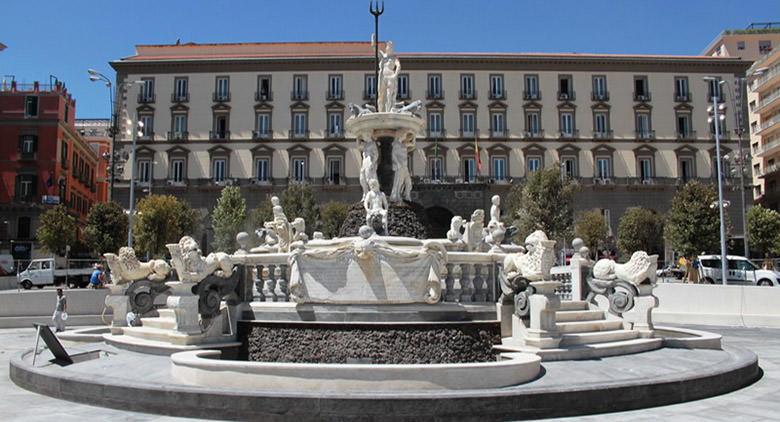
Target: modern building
[628, 128]
[749, 44]
[44, 161]
[764, 118]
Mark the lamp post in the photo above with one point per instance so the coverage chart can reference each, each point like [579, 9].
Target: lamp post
[563, 233]
[96, 76]
[738, 128]
[716, 113]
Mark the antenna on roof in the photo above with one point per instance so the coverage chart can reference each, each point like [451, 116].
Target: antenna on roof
[178, 41]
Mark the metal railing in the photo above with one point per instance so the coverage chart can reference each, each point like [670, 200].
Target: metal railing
[532, 95]
[264, 96]
[567, 96]
[220, 97]
[467, 95]
[769, 123]
[180, 97]
[178, 136]
[217, 135]
[600, 96]
[769, 74]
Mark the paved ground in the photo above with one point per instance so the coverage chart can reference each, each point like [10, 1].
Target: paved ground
[757, 402]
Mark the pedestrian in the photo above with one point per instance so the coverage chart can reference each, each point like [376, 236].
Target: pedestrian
[683, 263]
[60, 311]
[97, 278]
[694, 275]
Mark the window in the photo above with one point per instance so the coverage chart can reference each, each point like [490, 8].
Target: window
[467, 123]
[263, 125]
[299, 169]
[27, 144]
[222, 92]
[335, 82]
[532, 123]
[263, 88]
[23, 225]
[403, 86]
[300, 91]
[600, 88]
[64, 155]
[262, 167]
[177, 170]
[299, 124]
[499, 169]
[334, 124]
[681, 89]
[713, 89]
[26, 187]
[31, 106]
[534, 164]
[221, 126]
[179, 125]
[369, 87]
[567, 124]
[645, 169]
[144, 171]
[643, 125]
[219, 169]
[603, 168]
[497, 126]
[67, 112]
[434, 86]
[686, 169]
[531, 86]
[600, 124]
[469, 169]
[740, 45]
[148, 129]
[467, 86]
[334, 170]
[180, 89]
[565, 88]
[568, 164]
[641, 89]
[764, 46]
[496, 86]
[434, 123]
[683, 125]
[147, 91]
[437, 168]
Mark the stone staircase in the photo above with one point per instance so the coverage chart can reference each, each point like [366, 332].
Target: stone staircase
[587, 333]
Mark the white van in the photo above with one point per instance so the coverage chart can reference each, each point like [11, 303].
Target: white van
[41, 272]
[740, 271]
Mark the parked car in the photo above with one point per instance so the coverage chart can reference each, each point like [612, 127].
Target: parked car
[740, 271]
[41, 272]
[671, 271]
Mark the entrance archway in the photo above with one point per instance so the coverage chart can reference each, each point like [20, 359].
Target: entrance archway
[438, 219]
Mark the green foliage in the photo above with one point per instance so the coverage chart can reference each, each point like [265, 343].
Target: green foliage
[161, 219]
[228, 219]
[299, 201]
[332, 217]
[764, 230]
[543, 203]
[640, 229]
[57, 230]
[592, 229]
[692, 224]
[106, 229]
[261, 214]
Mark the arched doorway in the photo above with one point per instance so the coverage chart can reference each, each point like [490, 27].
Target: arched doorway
[438, 222]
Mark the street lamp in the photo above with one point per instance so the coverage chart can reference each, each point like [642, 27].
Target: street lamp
[134, 130]
[716, 115]
[738, 128]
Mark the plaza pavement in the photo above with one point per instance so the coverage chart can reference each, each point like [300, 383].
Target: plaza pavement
[757, 402]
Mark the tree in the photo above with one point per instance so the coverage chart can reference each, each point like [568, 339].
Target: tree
[693, 224]
[543, 203]
[332, 217]
[161, 219]
[261, 214]
[228, 219]
[592, 229]
[299, 201]
[764, 230]
[106, 228]
[640, 229]
[57, 230]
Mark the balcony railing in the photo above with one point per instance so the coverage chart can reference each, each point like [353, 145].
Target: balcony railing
[499, 133]
[220, 97]
[261, 96]
[262, 134]
[769, 123]
[772, 144]
[437, 134]
[567, 96]
[145, 97]
[180, 97]
[599, 96]
[404, 95]
[686, 135]
[532, 95]
[217, 135]
[769, 170]
[27, 156]
[497, 95]
[435, 94]
[604, 134]
[767, 100]
[682, 97]
[334, 95]
[469, 134]
[297, 134]
[148, 136]
[369, 95]
[645, 134]
[643, 97]
[467, 95]
[571, 134]
[334, 134]
[531, 134]
[296, 95]
[178, 136]
[769, 74]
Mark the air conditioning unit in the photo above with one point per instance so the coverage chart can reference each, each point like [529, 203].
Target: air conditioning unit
[564, 96]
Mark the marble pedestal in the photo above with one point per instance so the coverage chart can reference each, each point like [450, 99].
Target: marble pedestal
[639, 318]
[543, 331]
[184, 305]
[119, 303]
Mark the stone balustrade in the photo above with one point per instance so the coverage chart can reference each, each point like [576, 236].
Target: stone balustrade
[472, 277]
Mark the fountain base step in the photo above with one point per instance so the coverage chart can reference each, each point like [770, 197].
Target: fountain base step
[444, 311]
[156, 347]
[589, 351]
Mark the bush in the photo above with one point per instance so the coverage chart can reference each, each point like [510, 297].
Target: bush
[106, 229]
[57, 230]
[228, 219]
[640, 229]
[161, 219]
[692, 224]
[764, 230]
[592, 229]
[332, 216]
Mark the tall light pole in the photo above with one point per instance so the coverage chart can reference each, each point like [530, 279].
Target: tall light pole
[739, 130]
[717, 116]
[563, 233]
[134, 132]
[96, 76]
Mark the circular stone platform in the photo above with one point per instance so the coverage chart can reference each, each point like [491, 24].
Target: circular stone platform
[132, 381]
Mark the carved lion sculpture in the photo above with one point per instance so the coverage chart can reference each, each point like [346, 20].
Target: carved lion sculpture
[641, 268]
[190, 264]
[520, 269]
[126, 268]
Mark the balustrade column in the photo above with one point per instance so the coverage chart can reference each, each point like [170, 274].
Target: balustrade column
[479, 284]
[270, 291]
[260, 283]
[281, 291]
[466, 289]
[449, 283]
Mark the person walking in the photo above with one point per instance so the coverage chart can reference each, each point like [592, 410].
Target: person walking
[60, 311]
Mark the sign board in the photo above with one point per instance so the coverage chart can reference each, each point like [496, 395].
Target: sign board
[53, 343]
[50, 200]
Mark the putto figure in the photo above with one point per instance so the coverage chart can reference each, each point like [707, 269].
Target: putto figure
[402, 182]
[375, 204]
[370, 163]
[474, 231]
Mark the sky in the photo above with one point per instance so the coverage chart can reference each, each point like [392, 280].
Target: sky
[65, 38]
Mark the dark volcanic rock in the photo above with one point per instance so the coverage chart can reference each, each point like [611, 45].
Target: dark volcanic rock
[403, 219]
[377, 344]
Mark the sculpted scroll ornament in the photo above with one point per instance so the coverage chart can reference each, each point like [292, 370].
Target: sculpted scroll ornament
[126, 268]
[623, 284]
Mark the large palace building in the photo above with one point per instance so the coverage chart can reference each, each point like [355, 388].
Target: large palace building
[628, 128]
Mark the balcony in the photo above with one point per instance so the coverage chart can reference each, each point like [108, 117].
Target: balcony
[532, 95]
[603, 134]
[334, 95]
[499, 133]
[297, 95]
[262, 96]
[298, 134]
[434, 95]
[469, 134]
[599, 96]
[497, 95]
[534, 134]
[262, 134]
[145, 98]
[682, 97]
[220, 97]
[148, 136]
[569, 134]
[178, 136]
[770, 75]
[404, 95]
[467, 95]
[180, 97]
[219, 135]
[767, 148]
[369, 95]
[763, 105]
[27, 156]
[762, 128]
[566, 96]
[642, 97]
[334, 134]
[686, 135]
[645, 135]
[436, 134]
[769, 170]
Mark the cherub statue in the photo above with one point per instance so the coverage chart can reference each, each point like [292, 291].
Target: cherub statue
[495, 209]
[369, 165]
[473, 233]
[375, 204]
[126, 268]
[402, 181]
[455, 234]
[299, 230]
[581, 252]
[192, 267]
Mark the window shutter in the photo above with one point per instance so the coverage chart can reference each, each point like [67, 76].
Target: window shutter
[34, 189]
[35, 143]
[17, 186]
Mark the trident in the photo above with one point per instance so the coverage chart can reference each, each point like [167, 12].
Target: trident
[375, 9]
